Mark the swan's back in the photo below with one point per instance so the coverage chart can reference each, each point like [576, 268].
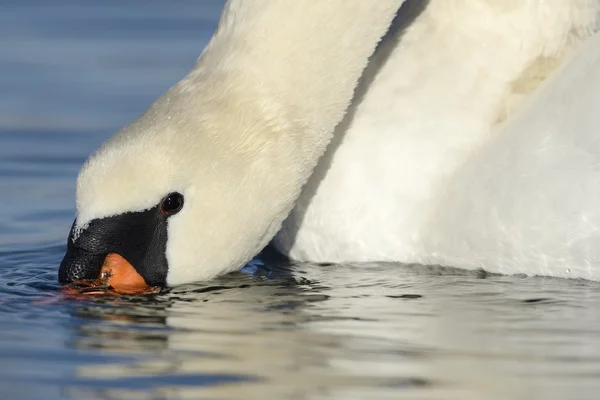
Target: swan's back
[433, 94]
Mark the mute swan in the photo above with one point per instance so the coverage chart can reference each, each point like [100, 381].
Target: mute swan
[203, 180]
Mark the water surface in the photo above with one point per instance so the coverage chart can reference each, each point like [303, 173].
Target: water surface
[72, 73]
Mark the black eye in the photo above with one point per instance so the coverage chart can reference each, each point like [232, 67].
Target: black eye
[172, 204]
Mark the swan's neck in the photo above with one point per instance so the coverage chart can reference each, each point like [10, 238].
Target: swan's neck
[299, 61]
[262, 103]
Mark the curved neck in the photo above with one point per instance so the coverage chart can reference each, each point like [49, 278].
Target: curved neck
[303, 57]
[262, 103]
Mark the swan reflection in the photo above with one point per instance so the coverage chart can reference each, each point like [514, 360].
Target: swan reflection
[310, 330]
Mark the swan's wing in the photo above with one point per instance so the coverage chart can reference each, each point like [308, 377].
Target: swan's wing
[434, 90]
[529, 201]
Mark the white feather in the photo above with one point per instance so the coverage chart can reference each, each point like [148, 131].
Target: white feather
[389, 187]
[241, 133]
[436, 161]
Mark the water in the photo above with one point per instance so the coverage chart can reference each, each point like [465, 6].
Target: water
[72, 72]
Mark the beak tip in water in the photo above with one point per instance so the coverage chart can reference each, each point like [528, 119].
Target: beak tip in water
[117, 275]
[120, 274]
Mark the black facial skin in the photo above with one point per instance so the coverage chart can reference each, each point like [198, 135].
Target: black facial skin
[140, 237]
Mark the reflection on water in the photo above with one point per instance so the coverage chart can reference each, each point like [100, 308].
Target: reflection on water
[73, 72]
[310, 331]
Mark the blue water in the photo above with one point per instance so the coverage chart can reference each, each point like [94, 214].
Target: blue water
[73, 72]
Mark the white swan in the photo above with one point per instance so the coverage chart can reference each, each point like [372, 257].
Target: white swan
[204, 179]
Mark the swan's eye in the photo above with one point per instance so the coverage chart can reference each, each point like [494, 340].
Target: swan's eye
[172, 204]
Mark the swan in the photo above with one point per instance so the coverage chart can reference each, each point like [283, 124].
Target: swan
[347, 130]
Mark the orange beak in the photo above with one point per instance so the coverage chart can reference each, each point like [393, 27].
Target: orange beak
[117, 275]
[120, 274]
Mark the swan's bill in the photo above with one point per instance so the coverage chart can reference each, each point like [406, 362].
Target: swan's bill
[140, 238]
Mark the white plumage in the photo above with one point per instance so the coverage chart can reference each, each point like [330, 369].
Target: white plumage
[425, 168]
[437, 160]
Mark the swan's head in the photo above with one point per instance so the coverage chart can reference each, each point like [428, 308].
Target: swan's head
[193, 189]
